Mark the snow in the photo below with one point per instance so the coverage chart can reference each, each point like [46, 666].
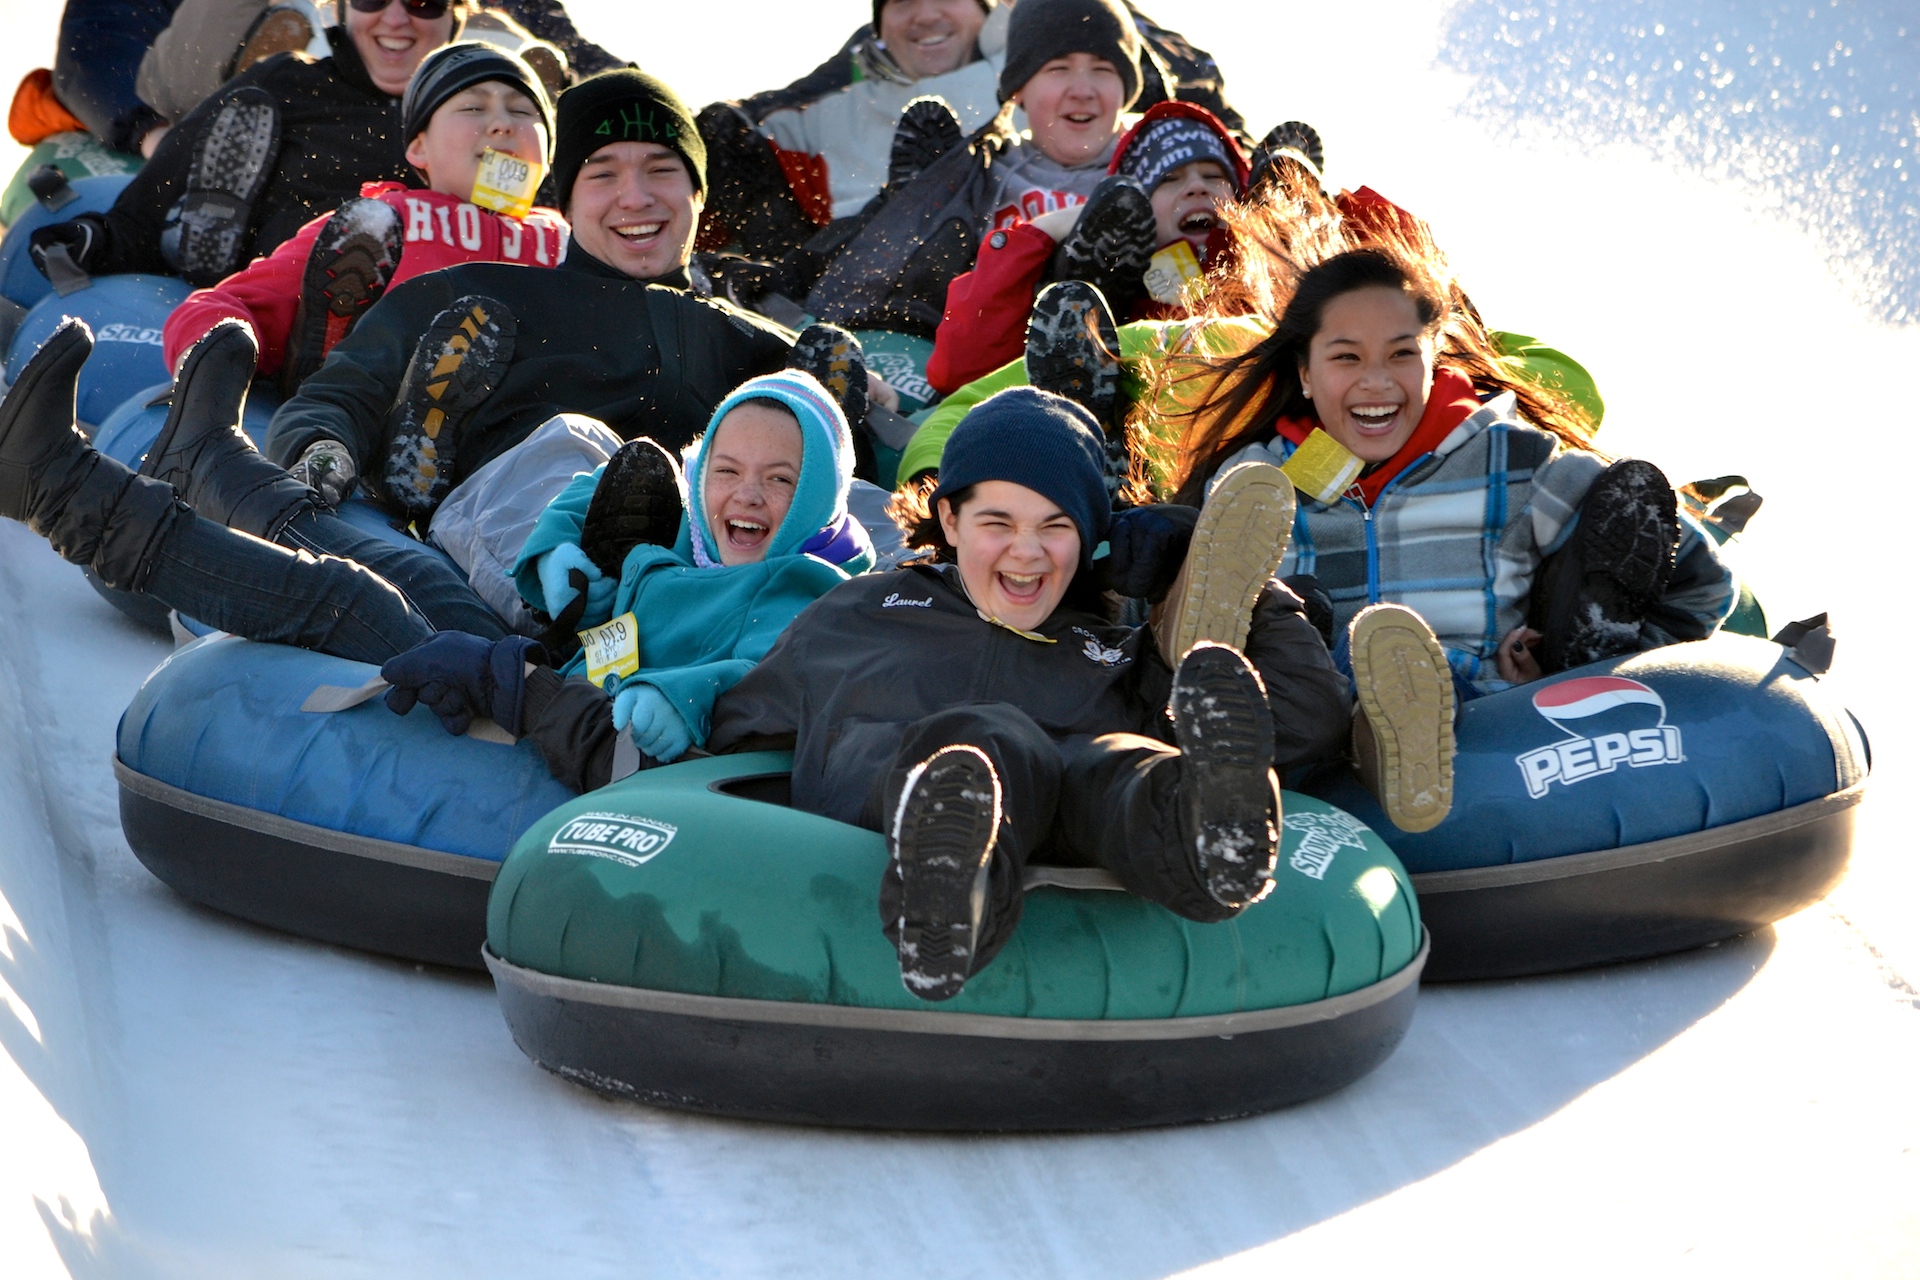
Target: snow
[185, 1096]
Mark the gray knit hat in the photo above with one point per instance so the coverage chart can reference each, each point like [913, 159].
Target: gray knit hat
[452, 68]
[1042, 30]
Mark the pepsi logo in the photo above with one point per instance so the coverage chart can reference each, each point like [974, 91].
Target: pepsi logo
[1581, 708]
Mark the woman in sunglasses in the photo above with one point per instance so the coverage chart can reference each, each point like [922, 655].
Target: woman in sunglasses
[282, 143]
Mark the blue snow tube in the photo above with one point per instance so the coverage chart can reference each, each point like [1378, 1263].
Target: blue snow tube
[21, 281]
[126, 314]
[356, 827]
[1634, 807]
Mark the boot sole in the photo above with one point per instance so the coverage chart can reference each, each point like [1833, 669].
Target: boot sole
[1241, 538]
[1618, 541]
[1073, 349]
[278, 31]
[1224, 728]
[928, 129]
[1112, 243]
[348, 270]
[229, 171]
[638, 500]
[836, 361]
[1405, 689]
[943, 836]
[455, 367]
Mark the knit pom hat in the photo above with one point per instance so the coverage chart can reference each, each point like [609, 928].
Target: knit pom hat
[816, 521]
[1042, 30]
[1040, 440]
[1172, 134]
[622, 105]
[454, 68]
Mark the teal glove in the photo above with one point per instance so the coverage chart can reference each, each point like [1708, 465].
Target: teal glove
[659, 730]
[558, 588]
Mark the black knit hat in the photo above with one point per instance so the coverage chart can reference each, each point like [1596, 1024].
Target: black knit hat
[1042, 30]
[622, 105]
[1040, 440]
[452, 68]
[878, 5]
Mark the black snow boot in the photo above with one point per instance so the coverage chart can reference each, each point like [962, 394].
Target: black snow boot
[1111, 243]
[1073, 350]
[210, 229]
[640, 498]
[941, 842]
[837, 362]
[206, 456]
[92, 510]
[348, 269]
[928, 129]
[750, 204]
[1229, 797]
[1592, 595]
[456, 365]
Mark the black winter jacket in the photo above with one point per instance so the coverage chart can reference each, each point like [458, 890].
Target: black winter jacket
[876, 654]
[643, 357]
[101, 44]
[336, 131]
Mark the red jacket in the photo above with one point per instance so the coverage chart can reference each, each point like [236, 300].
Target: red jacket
[441, 231]
[984, 324]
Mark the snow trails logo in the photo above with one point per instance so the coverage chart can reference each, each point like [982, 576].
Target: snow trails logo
[1571, 706]
[1322, 835]
[617, 837]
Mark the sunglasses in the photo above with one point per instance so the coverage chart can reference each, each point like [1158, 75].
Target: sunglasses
[426, 10]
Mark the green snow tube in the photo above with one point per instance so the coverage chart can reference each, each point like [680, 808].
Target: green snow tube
[685, 939]
[77, 155]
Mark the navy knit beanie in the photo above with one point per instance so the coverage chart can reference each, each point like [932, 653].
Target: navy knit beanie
[1042, 441]
[1042, 30]
[453, 68]
[622, 105]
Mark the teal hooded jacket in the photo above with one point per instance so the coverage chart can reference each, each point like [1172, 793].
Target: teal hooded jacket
[703, 625]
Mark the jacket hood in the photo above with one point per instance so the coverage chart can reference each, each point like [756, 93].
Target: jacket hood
[817, 523]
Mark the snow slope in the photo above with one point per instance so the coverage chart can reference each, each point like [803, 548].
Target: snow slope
[185, 1096]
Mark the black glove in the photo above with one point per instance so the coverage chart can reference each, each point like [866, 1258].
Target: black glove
[84, 238]
[1147, 546]
[460, 676]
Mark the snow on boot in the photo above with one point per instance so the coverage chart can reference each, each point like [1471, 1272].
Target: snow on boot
[348, 269]
[1073, 350]
[1237, 545]
[1403, 733]
[928, 129]
[210, 229]
[1592, 595]
[207, 457]
[837, 362]
[941, 843]
[1295, 138]
[1229, 797]
[458, 362]
[640, 498]
[1112, 241]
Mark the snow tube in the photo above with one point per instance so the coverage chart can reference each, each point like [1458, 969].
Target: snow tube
[126, 314]
[1635, 807]
[359, 827]
[684, 938]
[20, 280]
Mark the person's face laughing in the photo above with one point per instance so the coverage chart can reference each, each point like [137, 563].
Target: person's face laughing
[634, 207]
[1072, 106]
[1017, 551]
[392, 43]
[1368, 371]
[488, 115]
[752, 466]
[931, 37]
[1187, 204]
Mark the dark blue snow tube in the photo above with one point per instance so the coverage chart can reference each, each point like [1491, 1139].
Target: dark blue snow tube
[20, 280]
[126, 314]
[357, 827]
[1631, 808]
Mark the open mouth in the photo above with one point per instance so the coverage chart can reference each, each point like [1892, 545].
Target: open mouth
[395, 44]
[1374, 419]
[933, 41]
[1199, 223]
[640, 234]
[1021, 588]
[1080, 119]
[746, 535]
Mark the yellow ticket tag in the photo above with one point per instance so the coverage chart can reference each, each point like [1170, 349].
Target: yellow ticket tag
[612, 649]
[1170, 271]
[505, 184]
[1322, 468]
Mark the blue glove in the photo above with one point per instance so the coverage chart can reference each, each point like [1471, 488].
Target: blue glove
[659, 730]
[461, 676]
[1147, 546]
[556, 585]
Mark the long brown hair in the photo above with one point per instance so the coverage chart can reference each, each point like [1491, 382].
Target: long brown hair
[1301, 253]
